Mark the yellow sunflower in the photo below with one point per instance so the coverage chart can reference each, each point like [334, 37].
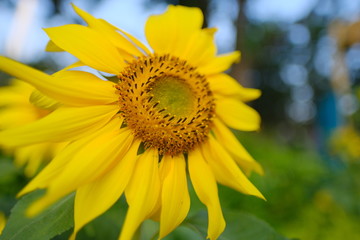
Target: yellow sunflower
[20, 104]
[170, 110]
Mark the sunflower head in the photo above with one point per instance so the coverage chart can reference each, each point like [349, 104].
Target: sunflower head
[166, 103]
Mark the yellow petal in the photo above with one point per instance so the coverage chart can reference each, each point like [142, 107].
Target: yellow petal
[175, 196]
[109, 32]
[94, 22]
[227, 86]
[74, 88]
[64, 124]
[237, 114]
[77, 88]
[61, 160]
[135, 41]
[95, 198]
[171, 31]
[55, 167]
[220, 63]
[22, 71]
[210, 31]
[16, 116]
[236, 149]
[89, 46]
[100, 155]
[22, 155]
[41, 101]
[198, 48]
[225, 169]
[32, 157]
[142, 193]
[17, 93]
[73, 65]
[52, 47]
[205, 187]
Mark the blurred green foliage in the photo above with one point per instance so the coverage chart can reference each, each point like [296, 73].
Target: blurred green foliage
[306, 198]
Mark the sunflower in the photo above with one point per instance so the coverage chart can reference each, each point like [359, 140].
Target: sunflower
[169, 111]
[16, 109]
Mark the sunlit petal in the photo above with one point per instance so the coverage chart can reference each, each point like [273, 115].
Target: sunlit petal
[237, 114]
[175, 196]
[142, 193]
[205, 187]
[225, 169]
[71, 124]
[96, 197]
[226, 86]
[89, 46]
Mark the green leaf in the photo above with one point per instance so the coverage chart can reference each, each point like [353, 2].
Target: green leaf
[239, 226]
[51, 222]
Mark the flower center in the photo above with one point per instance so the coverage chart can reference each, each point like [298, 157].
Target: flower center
[174, 95]
[166, 103]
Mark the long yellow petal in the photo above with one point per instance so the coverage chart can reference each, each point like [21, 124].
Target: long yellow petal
[171, 31]
[74, 88]
[109, 32]
[205, 187]
[64, 124]
[32, 156]
[99, 23]
[17, 93]
[219, 63]
[198, 49]
[22, 72]
[237, 114]
[43, 102]
[175, 200]
[142, 193]
[78, 88]
[236, 149]
[73, 65]
[225, 169]
[61, 160]
[15, 116]
[91, 162]
[52, 47]
[44, 154]
[227, 86]
[89, 46]
[134, 40]
[95, 198]
[101, 155]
